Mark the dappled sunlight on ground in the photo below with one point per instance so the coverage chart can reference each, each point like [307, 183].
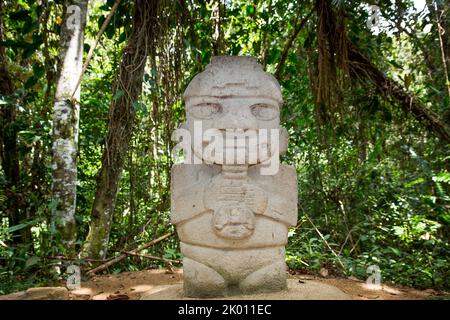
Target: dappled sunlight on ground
[134, 285]
[359, 290]
[127, 285]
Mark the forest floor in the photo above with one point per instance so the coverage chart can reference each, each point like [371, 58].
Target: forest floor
[132, 285]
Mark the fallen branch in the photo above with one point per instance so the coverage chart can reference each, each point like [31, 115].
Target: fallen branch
[123, 256]
[354, 247]
[345, 242]
[81, 259]
[323, 238]
[168, 261]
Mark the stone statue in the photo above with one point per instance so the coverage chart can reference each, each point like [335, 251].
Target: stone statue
[232, 218]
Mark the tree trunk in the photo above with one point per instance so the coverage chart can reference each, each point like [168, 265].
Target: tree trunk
[65, 122]
[126, 91]
[217, 16]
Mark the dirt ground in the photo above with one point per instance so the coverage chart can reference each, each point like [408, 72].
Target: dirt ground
[131, 285]
[134, 285]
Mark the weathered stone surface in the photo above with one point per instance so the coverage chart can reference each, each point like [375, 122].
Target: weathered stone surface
[47, 293]
[233, 206]
[43, 293]
[21, 295]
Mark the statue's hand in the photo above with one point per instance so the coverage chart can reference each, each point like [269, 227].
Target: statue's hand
[255, 198]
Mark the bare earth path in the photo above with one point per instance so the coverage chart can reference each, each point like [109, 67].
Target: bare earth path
[132, 285]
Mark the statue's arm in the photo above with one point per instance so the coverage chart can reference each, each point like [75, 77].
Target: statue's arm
[283, 197]
[187, 189]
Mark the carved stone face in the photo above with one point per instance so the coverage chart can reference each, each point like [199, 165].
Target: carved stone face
[235, 96]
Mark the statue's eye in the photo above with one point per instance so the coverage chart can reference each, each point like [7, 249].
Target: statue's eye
[264, 111]
[205, 110]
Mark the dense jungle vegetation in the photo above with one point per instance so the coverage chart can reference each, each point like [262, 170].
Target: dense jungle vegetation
[91, 92]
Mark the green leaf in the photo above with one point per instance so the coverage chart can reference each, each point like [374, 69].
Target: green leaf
[100, 21]
[395, 251]
[122, 37]
[408, 80]
[412, 183]
[86, 47]
[19, 226]
[32, 261]
[434, 89]
[236, 49]
[250, 9]
[274, 56]
[28, 52]
[30, 82]
[37, 40]
[53, 204]
[264, 15]
[110, 31]
[395, 64]
[309, 40]
[442, 177]
[105, 7]
[38, 70]
[29, 136]
[119, 93]
[140, 106]
[398, 231]
[14, 44]
[28, 26]
[19, 15]
[375, 152]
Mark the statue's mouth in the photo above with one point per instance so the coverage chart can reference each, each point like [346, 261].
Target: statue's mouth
[237, 146]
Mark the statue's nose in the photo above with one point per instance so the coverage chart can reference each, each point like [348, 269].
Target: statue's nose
[237, 118]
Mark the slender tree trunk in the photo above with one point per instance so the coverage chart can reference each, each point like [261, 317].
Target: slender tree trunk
[216, 16]
[132, 201]
[441, 31]
[298, 26]
[264, 45]
[126, 91]
[8, 141]
[441, 9]
[65, 122]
